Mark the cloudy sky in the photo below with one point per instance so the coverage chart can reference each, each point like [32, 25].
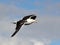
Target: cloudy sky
[45, 32]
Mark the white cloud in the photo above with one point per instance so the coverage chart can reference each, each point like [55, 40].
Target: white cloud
[35, 42]
[20, 41]
[7, 11]
[6, 41]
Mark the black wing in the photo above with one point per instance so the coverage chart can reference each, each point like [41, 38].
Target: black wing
[18, 26]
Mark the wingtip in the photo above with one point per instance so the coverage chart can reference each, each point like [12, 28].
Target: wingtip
[11, 35]
[14, 33]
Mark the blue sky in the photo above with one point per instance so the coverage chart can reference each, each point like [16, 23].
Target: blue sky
[55, 42]
[45, 32]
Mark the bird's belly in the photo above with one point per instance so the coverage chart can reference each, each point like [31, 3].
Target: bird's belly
[29, 21]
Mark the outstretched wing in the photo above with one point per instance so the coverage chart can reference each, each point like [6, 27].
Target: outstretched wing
[18, 26]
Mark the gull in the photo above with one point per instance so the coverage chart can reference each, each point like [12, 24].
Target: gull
[27, 20]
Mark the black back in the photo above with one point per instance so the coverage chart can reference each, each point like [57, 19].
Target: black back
[26, 17]
[33, 17]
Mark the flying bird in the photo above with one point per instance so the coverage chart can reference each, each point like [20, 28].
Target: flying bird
[27, 20]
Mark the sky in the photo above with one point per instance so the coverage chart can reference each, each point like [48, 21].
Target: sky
[45, 32]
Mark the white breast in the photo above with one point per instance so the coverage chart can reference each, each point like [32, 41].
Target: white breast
[30, 20]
